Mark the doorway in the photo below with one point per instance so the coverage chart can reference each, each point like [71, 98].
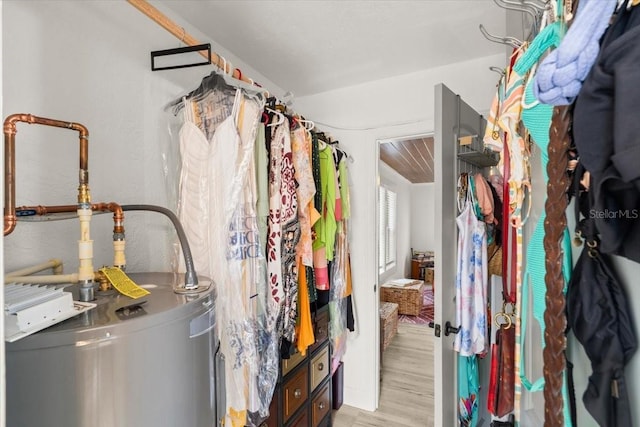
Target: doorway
[452, 119]
[405, 229]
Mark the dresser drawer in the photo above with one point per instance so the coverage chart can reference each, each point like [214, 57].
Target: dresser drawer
[292, 362]
[320, 329]
[320, 406]
[301, 420]
[295, 392]
[319, 367]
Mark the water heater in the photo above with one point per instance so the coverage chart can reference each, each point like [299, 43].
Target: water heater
[148, 362]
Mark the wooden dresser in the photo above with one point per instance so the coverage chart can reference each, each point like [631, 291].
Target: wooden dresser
[303, 394]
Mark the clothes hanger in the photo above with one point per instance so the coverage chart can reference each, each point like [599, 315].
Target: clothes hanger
[209, 83]
[511, 41]
[322, 144]
[498, 70]
[251, 89]
[278, 114]
[308, 124]
[529, 7]
[218, 79]
[524, 7]
[540, 6]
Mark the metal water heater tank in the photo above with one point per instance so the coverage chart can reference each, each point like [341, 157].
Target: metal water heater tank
[145, 362]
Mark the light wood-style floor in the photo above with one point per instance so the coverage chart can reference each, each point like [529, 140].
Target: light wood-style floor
[406, 397]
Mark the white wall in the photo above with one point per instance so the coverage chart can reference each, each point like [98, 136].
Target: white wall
[402, 187]
[88, 62]
[422, 216]
[388, 108]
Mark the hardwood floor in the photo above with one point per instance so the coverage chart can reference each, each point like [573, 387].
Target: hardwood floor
[406, 392]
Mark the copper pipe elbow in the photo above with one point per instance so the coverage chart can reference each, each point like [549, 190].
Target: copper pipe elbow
[118, 214]
[10, 130]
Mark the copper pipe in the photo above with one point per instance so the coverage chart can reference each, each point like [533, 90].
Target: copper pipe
[9, 128]
[118, 214]
[9, 180]
[45, 210]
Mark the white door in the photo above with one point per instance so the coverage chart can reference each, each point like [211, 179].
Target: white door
[453, 119]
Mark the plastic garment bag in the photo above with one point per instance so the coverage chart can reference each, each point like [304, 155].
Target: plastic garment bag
[338, 331]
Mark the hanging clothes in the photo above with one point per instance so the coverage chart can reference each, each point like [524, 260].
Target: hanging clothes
[343, 174]
[606, 129]
[605, 133]
[471, 281]
[536, 117]
[519, 187]
[262, 183]
[315, 164]
[326, 226]
[468, 391]
[306, 190]
[202, 114]
[304, 329]
[562, 72]
[284, 232]
[230, 158]
[247, 200]
[338, 322]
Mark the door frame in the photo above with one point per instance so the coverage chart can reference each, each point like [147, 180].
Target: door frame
[445, 167]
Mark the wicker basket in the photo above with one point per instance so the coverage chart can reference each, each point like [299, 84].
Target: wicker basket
[408, 298]
[388, 322]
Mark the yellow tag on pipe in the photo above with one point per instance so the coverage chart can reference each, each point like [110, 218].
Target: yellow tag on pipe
[123, 283]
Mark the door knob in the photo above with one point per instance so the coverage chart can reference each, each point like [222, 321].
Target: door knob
[448, 329]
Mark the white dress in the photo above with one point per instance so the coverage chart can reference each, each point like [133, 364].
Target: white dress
[217, 207]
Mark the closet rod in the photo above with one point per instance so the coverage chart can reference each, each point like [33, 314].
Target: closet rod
[186, 38]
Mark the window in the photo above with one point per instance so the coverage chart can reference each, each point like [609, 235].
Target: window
[386, 229]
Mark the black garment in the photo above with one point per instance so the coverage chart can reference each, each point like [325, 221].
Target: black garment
[311, 284]
[599, 314]
[607, 135]
[315, 168]
[351, 323]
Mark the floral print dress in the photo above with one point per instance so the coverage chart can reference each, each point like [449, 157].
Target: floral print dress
[471, 284]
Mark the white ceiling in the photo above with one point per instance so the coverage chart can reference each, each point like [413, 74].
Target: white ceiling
[308, 47]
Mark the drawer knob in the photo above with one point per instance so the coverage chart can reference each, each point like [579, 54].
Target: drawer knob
[321, 405]
[320, 331]
[320, 366]
[297, 393]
